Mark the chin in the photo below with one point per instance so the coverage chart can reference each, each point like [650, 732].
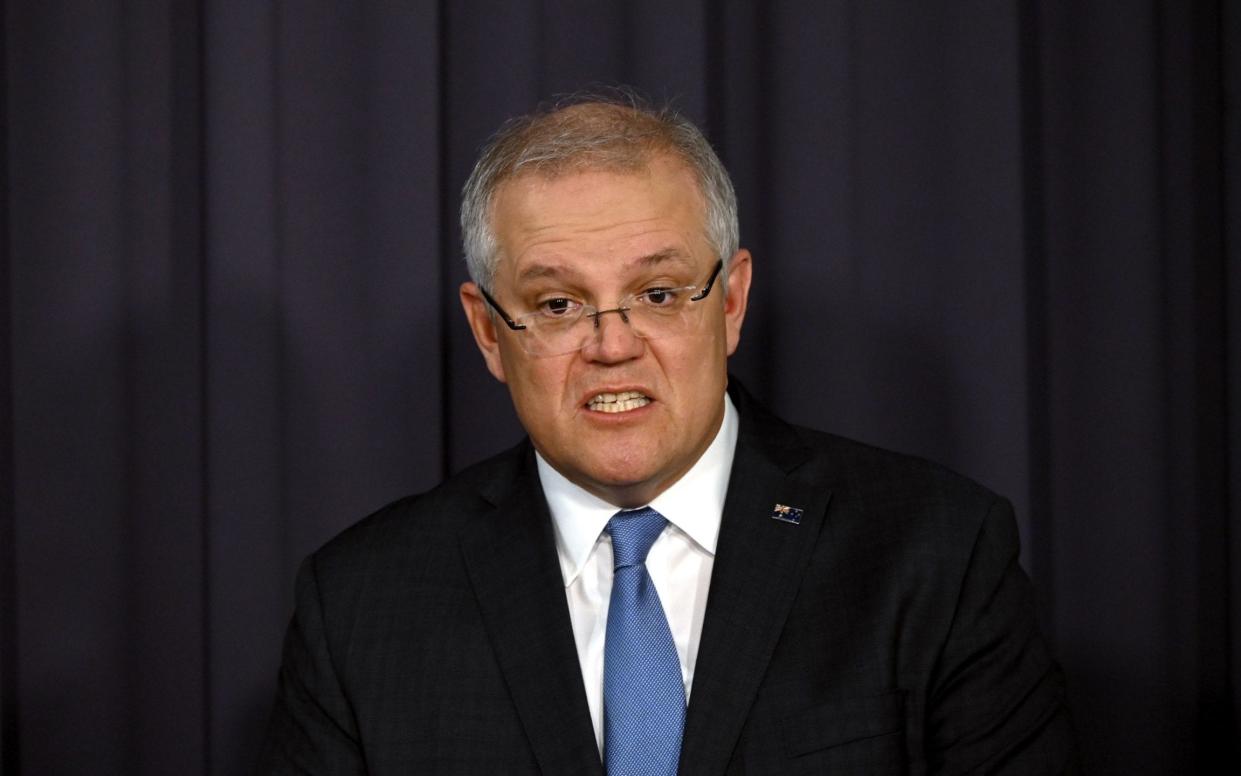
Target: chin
[619, 475]
[627, 465]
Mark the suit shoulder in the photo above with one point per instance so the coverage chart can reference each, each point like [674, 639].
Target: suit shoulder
[854, 469]
[918, 520]
[888, 496]
[876, 471]
[430, 518]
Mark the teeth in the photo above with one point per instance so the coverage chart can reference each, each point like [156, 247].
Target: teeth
[618, 402]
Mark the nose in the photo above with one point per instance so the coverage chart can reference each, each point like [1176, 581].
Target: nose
[614, 339]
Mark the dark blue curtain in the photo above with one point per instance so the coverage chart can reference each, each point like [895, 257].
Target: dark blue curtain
[1000, 235]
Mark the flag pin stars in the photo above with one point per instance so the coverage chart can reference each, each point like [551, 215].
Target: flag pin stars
[786, 514]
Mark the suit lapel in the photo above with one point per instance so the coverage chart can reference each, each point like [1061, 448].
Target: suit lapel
[511, 559]
[758, 568]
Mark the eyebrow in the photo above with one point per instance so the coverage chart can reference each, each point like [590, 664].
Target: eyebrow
[536, 271]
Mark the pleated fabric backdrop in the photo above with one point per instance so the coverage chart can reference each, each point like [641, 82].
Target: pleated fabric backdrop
[999, 235]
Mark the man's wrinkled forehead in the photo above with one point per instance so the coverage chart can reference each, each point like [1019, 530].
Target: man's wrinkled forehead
[521, 190]
[568, 270]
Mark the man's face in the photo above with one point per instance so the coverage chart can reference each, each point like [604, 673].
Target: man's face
[597, 237]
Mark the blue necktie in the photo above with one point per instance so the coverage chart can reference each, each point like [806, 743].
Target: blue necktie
[643, 694]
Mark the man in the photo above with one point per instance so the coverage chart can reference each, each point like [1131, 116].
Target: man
[664, 577]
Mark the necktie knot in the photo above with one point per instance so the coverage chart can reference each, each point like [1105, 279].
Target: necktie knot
[633, 533]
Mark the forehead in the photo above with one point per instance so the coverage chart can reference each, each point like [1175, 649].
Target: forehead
[598, 216]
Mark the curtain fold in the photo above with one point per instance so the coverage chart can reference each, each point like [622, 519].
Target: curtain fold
[1001, 236]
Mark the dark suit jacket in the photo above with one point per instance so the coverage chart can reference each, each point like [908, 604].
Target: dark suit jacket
[890, 631]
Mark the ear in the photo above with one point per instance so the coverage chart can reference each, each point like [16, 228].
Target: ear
[478, 313]
[735, 301]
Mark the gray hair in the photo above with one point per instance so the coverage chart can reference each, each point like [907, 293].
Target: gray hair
[592, 132]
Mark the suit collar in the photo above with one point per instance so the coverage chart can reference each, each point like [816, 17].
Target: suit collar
[510, 556]
[758, 569]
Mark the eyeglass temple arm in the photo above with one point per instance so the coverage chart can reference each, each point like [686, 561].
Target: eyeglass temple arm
[505, 316]
[719, 265]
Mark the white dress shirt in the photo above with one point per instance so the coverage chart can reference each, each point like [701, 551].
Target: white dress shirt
[679, 562]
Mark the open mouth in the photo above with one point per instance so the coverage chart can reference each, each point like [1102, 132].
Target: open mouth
[617, 402]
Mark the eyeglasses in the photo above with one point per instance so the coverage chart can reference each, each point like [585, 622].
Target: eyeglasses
[564, 325]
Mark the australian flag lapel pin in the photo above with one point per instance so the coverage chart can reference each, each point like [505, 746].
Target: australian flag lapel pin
[786, 514]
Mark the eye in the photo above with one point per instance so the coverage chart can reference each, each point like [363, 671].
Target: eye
[660, 297]
[559, 307]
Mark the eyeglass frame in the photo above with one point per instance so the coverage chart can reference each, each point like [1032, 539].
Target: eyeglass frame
[508, 320]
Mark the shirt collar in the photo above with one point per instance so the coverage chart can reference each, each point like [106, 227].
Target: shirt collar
[694, 503]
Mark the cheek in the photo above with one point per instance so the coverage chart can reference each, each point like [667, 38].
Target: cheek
[537, 389]
[705, 356]
[694, 373]
[511, 363]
